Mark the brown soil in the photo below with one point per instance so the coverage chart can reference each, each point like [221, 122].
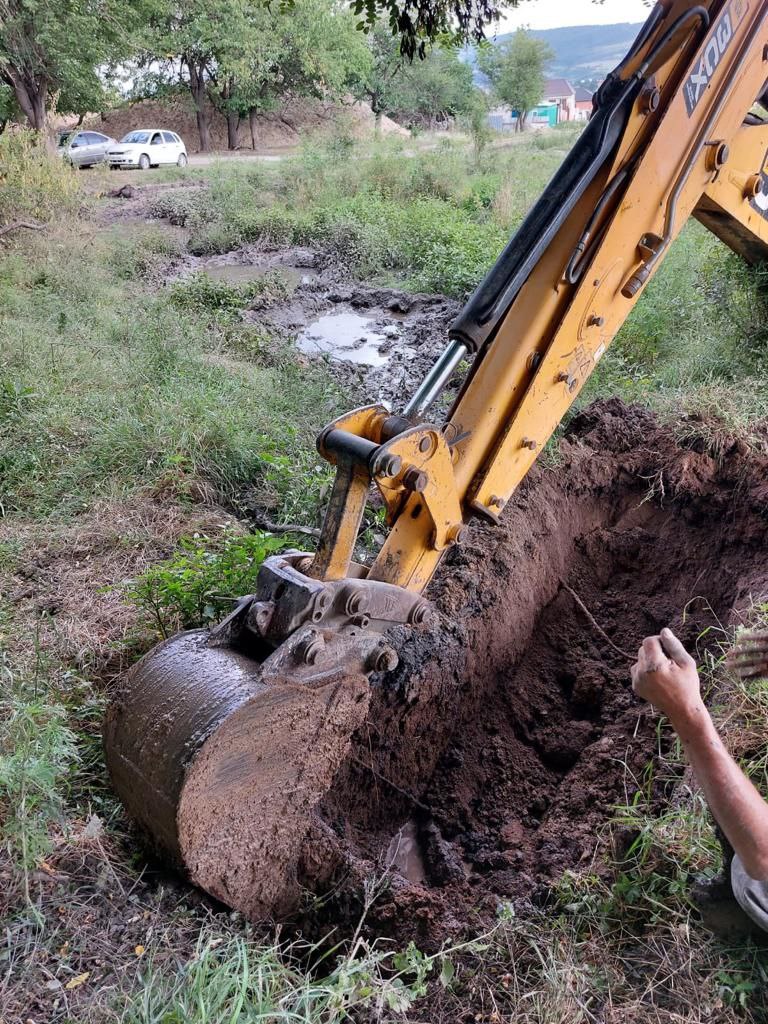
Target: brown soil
[492, 758]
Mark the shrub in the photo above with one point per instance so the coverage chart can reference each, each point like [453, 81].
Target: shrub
[145, 256]
[180, 206]
[37, 750]
[202, 293]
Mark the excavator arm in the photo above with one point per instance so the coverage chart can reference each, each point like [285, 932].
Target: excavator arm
[672, 136]
[221, 744]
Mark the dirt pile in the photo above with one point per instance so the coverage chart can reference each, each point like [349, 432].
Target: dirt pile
[275, 130]
[491, 759]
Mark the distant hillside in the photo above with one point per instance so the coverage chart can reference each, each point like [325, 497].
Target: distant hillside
[584, 54]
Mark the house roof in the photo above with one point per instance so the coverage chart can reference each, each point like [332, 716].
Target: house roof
[557, 87]
[582, 95]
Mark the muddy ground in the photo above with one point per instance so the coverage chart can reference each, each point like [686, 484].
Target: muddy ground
[493, 757]
[380, 341]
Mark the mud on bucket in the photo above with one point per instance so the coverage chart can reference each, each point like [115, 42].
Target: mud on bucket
[221, 759]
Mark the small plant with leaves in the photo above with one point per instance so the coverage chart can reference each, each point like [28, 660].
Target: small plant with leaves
[37, 752]
[203, 294]
[202, 581]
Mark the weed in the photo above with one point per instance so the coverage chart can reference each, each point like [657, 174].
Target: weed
[201, 582]
[181, 206]
[35, 182]
[37, 751]
[201, 293]
[146, 255]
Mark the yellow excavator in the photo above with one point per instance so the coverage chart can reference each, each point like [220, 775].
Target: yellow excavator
[221, 743]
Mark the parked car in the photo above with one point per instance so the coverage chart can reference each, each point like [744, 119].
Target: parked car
[148, 147]
[84, 148]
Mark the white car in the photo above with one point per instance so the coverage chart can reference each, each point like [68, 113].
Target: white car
[148, 147]
[83, 149]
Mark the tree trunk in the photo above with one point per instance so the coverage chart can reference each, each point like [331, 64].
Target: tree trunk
[252, 115]
[31, 94]
[203, 128]
[233, 125]
[197, 88]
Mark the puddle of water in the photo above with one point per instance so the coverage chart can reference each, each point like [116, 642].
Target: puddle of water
[345, 336]
[242, 273]
[404, 854]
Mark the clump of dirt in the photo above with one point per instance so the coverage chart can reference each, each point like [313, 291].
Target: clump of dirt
[492, 758]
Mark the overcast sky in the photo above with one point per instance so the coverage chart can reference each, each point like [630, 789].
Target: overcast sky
[557, 13]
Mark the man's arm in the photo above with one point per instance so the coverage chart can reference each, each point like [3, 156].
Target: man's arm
[665, 674]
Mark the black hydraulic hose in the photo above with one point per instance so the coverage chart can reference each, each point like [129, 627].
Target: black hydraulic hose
[658, 55]
[490, 302]
[581, 256]
[493, 297]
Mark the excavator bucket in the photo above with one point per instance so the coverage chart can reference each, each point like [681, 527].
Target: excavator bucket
[221, 759]
[220, 743]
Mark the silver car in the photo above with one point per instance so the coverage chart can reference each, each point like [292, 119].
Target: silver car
[85, 148]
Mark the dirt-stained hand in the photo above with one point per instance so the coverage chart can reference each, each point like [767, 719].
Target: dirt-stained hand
[749, 657]
[665, 674]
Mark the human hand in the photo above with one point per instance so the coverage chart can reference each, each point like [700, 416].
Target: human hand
[665, 675]
[749, 657]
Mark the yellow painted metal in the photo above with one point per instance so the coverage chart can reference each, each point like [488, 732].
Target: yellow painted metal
[346, 505]
[512, 403]
[730, 207]
[336, 547]
[424, 451]
[694, 155]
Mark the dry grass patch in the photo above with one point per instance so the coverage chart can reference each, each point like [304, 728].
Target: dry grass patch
[64, 583]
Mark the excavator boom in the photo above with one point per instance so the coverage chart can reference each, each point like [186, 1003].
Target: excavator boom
[222, 743]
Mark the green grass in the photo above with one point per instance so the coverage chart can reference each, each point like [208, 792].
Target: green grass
[37, 754]
[109, 385]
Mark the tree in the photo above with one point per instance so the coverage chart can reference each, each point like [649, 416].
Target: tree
[433, 89]
[186, 38]
[8, 107]
[416, 23]
[242, 56]
[311, 50]
[376, 82]
[516, 71]
[49, 48]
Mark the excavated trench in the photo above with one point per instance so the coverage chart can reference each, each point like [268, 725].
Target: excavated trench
[492, 758]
